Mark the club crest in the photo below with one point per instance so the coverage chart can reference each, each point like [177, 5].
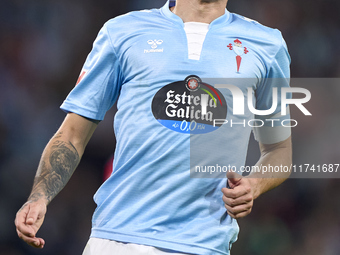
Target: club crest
[239, 50]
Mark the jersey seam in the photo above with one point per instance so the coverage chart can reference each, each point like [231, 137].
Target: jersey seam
[119, 66]
[270, 65]
[274, 58]
[113, 49]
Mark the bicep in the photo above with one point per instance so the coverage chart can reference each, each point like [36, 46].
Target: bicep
[285, 146]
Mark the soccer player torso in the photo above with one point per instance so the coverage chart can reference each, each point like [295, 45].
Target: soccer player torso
[149, 59]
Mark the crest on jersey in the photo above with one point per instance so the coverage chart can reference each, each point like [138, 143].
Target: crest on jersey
[239, 50]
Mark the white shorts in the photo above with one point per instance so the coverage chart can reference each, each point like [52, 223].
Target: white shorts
[97, 246]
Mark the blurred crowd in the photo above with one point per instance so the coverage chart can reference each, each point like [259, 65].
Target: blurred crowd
[43, 45]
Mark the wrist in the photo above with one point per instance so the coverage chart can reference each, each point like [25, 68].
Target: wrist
[37, 198]
[255, 184]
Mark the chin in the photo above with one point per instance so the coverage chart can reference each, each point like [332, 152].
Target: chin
[208, 1]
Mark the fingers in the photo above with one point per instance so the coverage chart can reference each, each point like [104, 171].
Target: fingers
[32, 215]
[247, 198]
[237, 191]
[20, 222]
[239, 214]
[239, 207]
[239, 200]
[28, 221]
[33, 241]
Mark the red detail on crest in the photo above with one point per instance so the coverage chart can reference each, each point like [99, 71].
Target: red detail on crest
[193, 84]
[230, 46]
[238, 61]
[246, 50]
[238, 41]
[81, 76]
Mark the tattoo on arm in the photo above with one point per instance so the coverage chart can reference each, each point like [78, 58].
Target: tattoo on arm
[58, 135]
[63, 159]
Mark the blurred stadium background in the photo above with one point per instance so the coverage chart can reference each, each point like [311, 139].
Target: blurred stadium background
[43, 45]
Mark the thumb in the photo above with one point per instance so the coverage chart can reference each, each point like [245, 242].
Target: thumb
[32, 215]
[233, 179]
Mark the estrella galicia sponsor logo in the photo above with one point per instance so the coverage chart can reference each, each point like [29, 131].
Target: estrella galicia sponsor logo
[189, 106]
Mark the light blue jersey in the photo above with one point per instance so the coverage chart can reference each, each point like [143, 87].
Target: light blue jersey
[143, 57]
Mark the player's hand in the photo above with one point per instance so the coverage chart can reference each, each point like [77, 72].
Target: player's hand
[238, 200]
[28, 221]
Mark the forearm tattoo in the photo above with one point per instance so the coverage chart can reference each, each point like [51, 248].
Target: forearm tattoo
[55, 170]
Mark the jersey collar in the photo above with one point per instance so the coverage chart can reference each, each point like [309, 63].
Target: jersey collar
[165, 10]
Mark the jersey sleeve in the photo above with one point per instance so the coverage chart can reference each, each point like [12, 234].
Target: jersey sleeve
[278, 76]
[98, 85]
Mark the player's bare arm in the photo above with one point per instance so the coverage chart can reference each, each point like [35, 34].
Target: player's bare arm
[58, 162]
[240, 197]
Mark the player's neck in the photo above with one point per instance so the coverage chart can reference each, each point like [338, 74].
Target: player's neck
[204, 11]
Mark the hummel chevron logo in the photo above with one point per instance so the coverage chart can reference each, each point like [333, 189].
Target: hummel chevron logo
[154, 45]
